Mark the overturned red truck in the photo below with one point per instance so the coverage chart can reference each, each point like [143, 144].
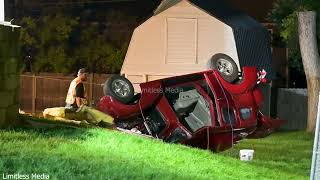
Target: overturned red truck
[201, 110]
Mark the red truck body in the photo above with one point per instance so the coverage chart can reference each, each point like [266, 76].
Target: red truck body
[200, 110]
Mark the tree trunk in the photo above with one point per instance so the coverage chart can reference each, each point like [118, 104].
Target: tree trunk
[311, 64]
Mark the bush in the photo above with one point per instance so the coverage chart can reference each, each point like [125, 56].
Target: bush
[61, 43]
[284, 15]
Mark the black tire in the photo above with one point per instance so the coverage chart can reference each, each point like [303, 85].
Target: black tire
[226, 67]
[125, 92]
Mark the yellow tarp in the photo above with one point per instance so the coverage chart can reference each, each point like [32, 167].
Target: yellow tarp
[83, 114]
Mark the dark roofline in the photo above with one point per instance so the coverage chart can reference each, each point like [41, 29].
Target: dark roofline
[164, 5]
[219, 9]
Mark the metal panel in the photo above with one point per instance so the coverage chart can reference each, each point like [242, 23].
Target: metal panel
[315, 168]
[292, 107]
[1, 10]
[254, 49]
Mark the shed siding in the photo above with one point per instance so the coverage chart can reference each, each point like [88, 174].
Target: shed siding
[215, 37]
[147, 45]
[182, 41]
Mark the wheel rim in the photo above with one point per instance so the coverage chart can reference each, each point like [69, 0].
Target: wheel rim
[120, 88]
[225, 67]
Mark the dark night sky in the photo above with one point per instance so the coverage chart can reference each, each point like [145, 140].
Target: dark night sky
[259, 9]
[18, 8]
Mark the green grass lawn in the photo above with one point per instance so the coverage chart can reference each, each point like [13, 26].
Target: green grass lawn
[69, 153]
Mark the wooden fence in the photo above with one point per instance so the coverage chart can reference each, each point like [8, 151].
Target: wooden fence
[46, 90]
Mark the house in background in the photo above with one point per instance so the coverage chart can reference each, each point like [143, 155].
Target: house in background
[184, 35]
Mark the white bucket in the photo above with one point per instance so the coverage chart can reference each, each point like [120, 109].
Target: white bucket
[246, 154]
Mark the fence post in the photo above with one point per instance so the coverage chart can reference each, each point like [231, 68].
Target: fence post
[90, 98]
[315, 167]
[34, 93]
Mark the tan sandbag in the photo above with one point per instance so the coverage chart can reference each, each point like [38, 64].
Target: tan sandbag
[54, 112]
[95, 116]
[83, 114]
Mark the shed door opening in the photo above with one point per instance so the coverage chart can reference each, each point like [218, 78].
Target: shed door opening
[181, 41]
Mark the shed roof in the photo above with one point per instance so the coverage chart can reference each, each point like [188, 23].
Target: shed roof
[219, 9]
